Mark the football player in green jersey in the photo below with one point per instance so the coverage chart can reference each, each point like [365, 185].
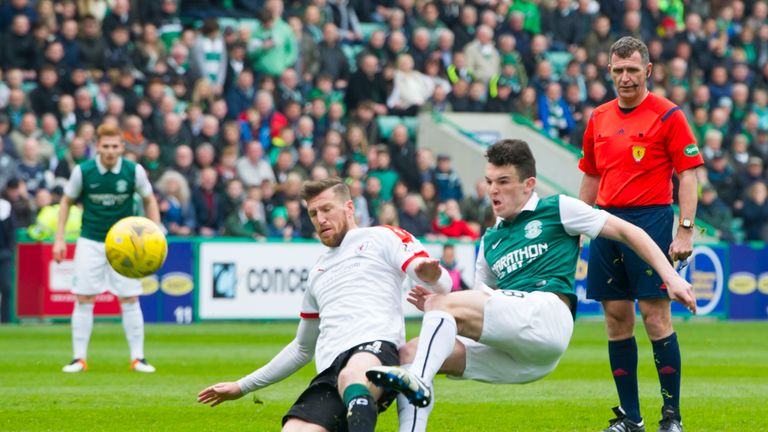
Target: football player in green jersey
[516, 323]
[105, 186]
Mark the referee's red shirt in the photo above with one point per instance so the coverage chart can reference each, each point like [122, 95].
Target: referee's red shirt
[635, 154]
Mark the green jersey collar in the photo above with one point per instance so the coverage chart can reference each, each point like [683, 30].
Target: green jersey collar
[530, 205]
[103, 170]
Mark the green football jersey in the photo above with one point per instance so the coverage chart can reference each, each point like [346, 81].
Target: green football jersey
[534, 252]
[106, 197]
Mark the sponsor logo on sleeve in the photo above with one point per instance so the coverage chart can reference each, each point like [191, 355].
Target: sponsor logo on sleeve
[691, 150]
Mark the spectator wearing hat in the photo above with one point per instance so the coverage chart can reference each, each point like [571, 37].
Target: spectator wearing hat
[91, 44]
[712, 210]
[754, 172]
[721, 176]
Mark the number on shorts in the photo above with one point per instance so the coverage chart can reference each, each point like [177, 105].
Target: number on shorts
[510, 293]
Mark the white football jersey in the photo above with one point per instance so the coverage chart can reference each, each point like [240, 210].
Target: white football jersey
[356, 290]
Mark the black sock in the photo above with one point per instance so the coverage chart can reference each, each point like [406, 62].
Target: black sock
[361, 408]
[623, 356]
[666, 353]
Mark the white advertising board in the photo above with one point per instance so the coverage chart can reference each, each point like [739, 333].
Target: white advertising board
[268, 280]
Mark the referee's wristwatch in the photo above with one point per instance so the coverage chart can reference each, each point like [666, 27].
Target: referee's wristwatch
[686, 223]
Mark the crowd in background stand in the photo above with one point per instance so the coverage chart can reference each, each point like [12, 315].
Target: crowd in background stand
[231, 104]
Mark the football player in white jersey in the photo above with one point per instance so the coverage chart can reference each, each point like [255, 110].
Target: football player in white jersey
[351, 317]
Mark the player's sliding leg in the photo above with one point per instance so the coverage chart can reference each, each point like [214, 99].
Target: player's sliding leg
[362, 409]
[133, 324]
[82, 326]
[445, 317]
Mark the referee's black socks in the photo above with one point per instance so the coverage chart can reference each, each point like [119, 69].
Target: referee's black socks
[361, 408]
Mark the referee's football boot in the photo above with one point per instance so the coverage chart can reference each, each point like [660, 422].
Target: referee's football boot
[670, 420]
[141, 365]
[402, 381]
[76, 365]
[622, 424]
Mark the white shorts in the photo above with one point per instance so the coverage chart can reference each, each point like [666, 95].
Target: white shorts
[524, 335]
[94, 275]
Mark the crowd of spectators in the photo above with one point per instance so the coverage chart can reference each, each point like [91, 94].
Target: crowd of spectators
[230, 104]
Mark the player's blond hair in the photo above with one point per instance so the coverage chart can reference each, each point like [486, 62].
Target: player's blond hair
[108, 130]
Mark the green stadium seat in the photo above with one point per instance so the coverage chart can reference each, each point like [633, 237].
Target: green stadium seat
[388, 123]
[559, 61]
[351, 52]
[368, 28]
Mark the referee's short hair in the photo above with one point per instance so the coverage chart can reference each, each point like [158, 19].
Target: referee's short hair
[513, 152]
[626, 46]
[311, 189]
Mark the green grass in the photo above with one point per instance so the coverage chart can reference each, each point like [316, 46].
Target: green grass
[725, 382]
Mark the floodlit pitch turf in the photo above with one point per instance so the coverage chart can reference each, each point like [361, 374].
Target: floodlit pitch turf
[725, 382]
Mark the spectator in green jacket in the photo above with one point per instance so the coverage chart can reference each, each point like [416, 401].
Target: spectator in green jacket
[246, 222]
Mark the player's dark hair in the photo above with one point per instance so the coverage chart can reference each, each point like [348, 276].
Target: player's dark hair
[513, 152]
[311, 189]
[626, 46]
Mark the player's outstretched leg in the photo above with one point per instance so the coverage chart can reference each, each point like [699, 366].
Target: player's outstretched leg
[82, 326]
[402, 381]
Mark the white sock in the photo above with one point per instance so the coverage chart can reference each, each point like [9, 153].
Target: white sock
[436, 341]
[82, 326]
[133, 323]
[410, 418]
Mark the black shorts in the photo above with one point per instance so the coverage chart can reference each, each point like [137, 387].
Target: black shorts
[321, 404]
[615, 271]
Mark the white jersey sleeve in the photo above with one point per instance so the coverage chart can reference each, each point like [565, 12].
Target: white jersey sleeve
[309, 308]
[143, 186]
[404, 247]
[75, 184]
[483, 273]
[578, 217]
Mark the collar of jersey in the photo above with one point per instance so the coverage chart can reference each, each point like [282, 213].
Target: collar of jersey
[530, 205]
[103, 170]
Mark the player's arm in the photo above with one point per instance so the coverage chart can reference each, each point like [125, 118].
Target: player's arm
[485, 280]
[687, 196]
[644, 246]
[151, 208]
[429, 273]
[144, 189]
[292, 358]
[71, 191]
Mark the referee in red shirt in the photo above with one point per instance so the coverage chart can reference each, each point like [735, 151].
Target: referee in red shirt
[632, 146]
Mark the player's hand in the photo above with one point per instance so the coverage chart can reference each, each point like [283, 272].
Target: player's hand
[218, 393]
[418, 296]
[681, 291]
[428, 270]
[59, 250]
[682, 246]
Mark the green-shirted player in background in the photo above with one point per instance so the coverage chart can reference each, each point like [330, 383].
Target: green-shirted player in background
[105, 186]
[516, 323]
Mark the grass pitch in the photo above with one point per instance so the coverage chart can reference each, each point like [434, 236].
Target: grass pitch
[725, 382]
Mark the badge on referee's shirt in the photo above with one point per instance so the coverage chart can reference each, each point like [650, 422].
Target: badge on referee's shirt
[638, 152]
